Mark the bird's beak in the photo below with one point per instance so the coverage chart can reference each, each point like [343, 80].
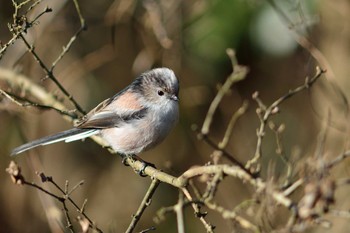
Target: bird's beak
[174, 97]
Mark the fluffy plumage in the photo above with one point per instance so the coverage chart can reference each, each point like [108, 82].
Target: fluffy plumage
[135, 119]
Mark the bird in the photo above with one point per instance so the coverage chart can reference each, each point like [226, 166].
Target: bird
[134, 120]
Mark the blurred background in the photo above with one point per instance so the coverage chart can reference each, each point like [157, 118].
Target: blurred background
[125, 38]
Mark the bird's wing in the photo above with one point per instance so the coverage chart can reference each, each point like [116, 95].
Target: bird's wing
[109, 119]
[118, 109]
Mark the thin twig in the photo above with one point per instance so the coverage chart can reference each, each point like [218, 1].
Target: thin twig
[50, 75]
[280, 151]
[68, 220]
[340, 213]
[26, 84]
[18, 29]
[306, 43]
[34, 21]
[224, 153]
[212, 187]
[238, 74]
[338, 159]
[217, 154]
[155, 16]
[81, 18]
[144, 204]
[231, 214]
[67, 197]
[322, 137]
[293, 187]
[209, 227]
[148, 229]
[15, 172]
[235, 116]
[273, 108]
[66, 48]
[61, 199]
[178, 209]
[18, 26]
[28, 103]
[31, 7]
[75, 187]
[4, 47]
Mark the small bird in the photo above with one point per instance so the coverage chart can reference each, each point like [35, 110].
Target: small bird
[134, 120]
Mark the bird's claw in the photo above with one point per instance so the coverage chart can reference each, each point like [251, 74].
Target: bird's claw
[145, 164]
[125, 161]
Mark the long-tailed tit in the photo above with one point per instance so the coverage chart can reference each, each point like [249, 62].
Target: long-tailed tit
[134, 120]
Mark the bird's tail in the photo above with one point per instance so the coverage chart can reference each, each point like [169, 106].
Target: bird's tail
[67, 136]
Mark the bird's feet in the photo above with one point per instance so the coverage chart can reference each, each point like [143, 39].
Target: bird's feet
[125, 160]
[145, 164]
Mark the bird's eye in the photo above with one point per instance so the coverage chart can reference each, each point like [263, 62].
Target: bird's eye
[160, 93]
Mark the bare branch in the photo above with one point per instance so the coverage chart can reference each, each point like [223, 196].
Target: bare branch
[146, 201]
[273, 108]
[28, 103]
[66, 48]
[50, 74]
[239, 73]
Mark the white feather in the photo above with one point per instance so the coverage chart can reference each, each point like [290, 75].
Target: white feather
[81, 135]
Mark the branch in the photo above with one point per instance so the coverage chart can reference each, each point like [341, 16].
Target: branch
[28, 86]
[15, 173]
[238, 74]
[178, 209]
[265, 112]
[67, 197]
[231, 214]
[209, 227]
[144, 204]
[306, 43]
[66, 48]
[234, 171]
[242, 110]
[20, 26]
[28, 103]
[338, 159]
[50, 74]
